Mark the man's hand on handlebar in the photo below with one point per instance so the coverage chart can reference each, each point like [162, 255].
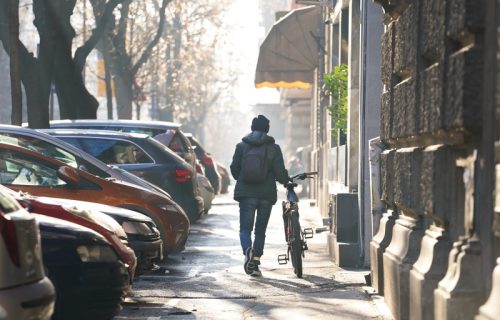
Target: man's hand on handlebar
[302, 176]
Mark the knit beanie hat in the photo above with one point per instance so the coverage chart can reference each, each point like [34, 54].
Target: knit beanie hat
[260, 123]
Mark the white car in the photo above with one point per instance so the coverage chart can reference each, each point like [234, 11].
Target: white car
[25, 291]
[206, 191]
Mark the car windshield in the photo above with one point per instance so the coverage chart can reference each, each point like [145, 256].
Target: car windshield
[19, 169]
[173, 140]
[110, 151]
[165, 149]
[40, 146]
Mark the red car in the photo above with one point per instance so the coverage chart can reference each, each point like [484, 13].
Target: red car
[24, 170]
[103, 225]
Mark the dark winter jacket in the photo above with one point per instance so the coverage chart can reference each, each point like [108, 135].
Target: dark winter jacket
[276, 166]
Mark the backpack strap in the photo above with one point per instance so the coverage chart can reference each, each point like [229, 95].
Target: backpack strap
[246, 147]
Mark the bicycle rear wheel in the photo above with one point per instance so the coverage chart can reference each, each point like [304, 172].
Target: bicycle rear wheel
[296, 244]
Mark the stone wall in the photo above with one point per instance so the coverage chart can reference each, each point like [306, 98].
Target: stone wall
[432, 114]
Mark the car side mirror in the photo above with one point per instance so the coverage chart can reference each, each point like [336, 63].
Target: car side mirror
[26, 204]
[69, 175]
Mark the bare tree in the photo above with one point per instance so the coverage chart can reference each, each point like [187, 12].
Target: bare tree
[195, 80]
[74, 99]
[125, 61]
[32, 74]
[55, 61]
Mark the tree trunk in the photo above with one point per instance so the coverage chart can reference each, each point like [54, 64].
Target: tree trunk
[115, 50]
[109, 91]
[124, 95]
[15, 76]
[37, 101]
[75, 102]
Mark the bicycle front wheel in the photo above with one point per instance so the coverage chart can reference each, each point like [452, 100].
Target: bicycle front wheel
[296, 244]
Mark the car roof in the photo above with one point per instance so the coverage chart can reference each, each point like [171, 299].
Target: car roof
[118, 173]
[53, 140]
[59, 163]
[128, 123]
[92, 132]
[113, 135]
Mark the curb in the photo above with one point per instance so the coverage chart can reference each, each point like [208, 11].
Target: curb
[379, 303]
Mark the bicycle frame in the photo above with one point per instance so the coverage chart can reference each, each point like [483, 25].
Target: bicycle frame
[294, 235]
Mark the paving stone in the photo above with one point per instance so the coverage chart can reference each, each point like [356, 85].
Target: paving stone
[207, 281]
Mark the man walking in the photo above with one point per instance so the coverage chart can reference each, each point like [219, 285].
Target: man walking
[257, 164]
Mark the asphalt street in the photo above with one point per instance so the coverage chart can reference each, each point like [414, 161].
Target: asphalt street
[207, 280]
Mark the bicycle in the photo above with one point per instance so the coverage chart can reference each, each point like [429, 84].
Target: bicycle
[294, 235]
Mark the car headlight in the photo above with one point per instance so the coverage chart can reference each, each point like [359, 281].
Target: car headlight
[96, 254]
[134, 227]
[155, 230]
[98, 217]
[167, 207]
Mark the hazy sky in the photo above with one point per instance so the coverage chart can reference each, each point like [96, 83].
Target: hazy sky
[247, 36]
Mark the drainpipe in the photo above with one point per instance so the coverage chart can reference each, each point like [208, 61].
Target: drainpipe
[362, 133]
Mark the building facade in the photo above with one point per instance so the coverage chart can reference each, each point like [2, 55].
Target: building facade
[435, 250]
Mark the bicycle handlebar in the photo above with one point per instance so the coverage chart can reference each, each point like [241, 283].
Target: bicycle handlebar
[302, 176]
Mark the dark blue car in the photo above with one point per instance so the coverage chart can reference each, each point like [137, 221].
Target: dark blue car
[90, 281]
[143, 156]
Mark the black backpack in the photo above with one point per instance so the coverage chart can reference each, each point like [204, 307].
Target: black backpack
[254, 164]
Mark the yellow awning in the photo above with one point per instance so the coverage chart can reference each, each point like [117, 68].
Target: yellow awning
[283, 84]
[290, 52]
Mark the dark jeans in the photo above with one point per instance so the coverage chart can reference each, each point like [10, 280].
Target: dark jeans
[248, 207]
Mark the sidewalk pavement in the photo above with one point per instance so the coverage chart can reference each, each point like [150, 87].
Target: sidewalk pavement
[207, 280]
[326, 291]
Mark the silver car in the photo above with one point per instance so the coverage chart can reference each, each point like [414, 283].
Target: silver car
[25, 291]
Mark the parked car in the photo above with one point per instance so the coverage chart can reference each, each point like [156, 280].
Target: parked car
[3, 313]
[25, 170]
[208, 162]
[298, 164]
[135, 230]
[206, 191]
[90, 281]
[225, 179]
[168, 133]
[65, 152]
[143, 236]
[144, 157]
[92, 219]
[25, 291]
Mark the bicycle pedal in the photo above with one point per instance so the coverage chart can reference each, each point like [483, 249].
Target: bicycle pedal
[304, 247]
[308, 233]
[282, 259]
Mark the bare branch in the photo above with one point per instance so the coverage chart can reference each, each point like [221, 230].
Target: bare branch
[82, 52]
[147, 52]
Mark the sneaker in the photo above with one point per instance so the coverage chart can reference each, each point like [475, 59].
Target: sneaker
[256, 271]
[249, 265]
